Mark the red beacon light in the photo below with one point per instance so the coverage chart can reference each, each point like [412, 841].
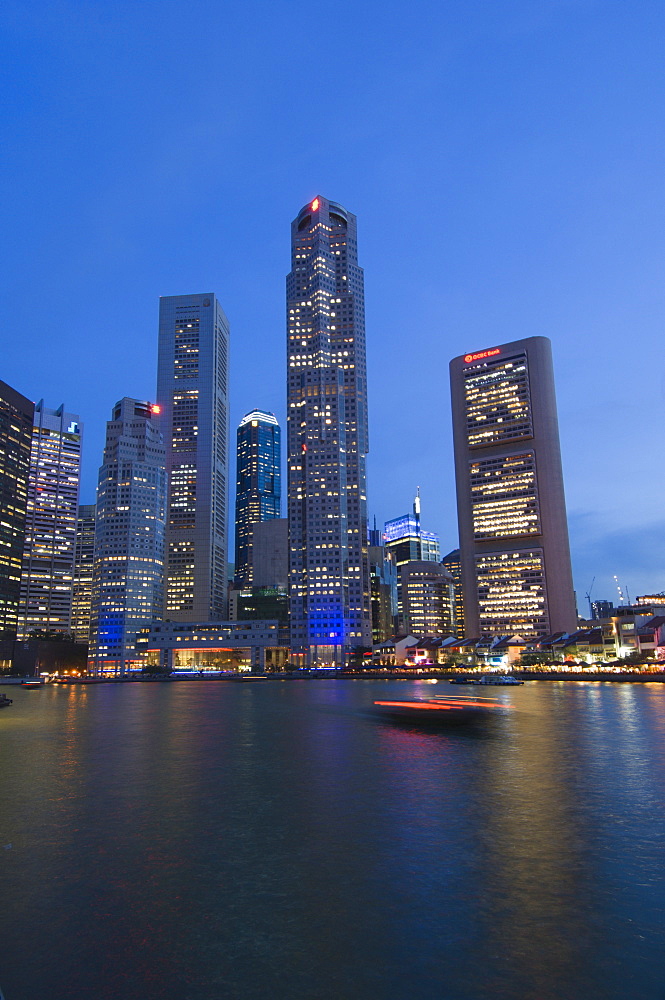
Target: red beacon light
[155, 408]
[315, 204]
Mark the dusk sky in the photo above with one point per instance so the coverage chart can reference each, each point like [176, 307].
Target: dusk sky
[505, 160]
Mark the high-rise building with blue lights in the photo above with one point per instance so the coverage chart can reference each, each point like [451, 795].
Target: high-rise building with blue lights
[192, 392]
[329, 584]
[258, 484]
[128, 566]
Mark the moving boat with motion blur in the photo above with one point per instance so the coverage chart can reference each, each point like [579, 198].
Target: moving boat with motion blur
[439, 711]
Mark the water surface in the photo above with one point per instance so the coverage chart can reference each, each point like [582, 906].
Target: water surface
[206, 840]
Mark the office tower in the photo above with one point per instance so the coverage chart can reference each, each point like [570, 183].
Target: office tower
[128, 573]
[516, 573]
[192, 388]
[453, 563]
[267, 598]
[428, 599]
[83, 562]
[50, 527]
[327, 437]
[16, 421]
[258, 484]
[383, 589]
[406, 541]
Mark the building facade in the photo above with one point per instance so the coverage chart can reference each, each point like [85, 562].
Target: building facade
[515, 555]
[192, 393]
[453, 564]
[428, 598]
[128, 573]
[406, 541]
[16, 423]
[258, 484]
[83, 564]
[50, 531]
[327, 436]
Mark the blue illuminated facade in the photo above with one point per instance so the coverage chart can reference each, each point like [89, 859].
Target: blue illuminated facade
[258, 484]
[329, 581]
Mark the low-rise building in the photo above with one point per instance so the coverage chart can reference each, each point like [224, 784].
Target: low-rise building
[234, 646]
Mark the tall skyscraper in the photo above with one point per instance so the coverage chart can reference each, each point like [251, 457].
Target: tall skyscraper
[50, 531]
[192, 392]
[83, 563]
[258, 484]
[128, 573]
[515, 556]
[16, 421]
[327, 437]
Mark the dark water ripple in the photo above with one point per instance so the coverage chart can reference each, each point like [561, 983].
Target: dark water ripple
[208, 840]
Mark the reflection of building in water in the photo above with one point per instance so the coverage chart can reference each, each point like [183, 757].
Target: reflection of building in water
[535, 854]
[207, 646]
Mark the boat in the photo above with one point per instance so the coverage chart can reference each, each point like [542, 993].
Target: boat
[4, 700]
[488, 680]
[499, 680]
[438, 711]
[31, 684]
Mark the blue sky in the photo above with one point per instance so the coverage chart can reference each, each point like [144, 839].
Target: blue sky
[506, 164]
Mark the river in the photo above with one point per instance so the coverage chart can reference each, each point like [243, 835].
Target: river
[212, 841]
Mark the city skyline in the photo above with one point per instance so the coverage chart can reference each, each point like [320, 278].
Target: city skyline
[529, 154]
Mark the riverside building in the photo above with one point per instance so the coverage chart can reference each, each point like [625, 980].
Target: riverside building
[50, 528]
[327, 437]
[192, 388]
[128, 584]
[16, 422]
[83, 565]
[258, 484]
[515, 556]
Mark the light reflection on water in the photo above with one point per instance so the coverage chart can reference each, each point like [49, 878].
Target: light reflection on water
[206, 840]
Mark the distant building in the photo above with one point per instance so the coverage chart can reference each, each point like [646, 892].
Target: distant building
[428, 599]
[406, 541]
[258, 484]
[383, 583]
[515, 555]
[329, 585]
[50, 529]
[270, 552]
[453, 563]
[601, 609]
[233, 646]
[83, 566]
[128, 576]
[192, 387]
[16, 423]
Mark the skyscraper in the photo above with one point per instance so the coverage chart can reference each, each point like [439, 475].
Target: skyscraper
[258, 484]
[128, 569]
[428, 598]
[16, 421]
[83, 564]
[516, 574]
[327, 436]
[50, 531]
[192, 388]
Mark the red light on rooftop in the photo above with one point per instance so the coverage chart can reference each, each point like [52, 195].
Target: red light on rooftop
[315, 204]
[155, 408]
